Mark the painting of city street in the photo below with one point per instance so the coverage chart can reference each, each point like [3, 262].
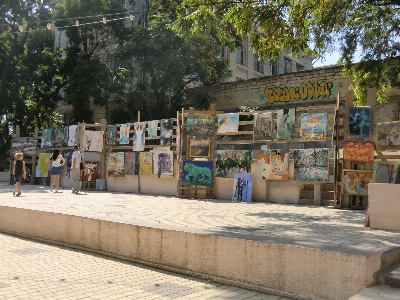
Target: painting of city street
[26, 145]
[273, 164]
[388, 136]
[131, 163]
[199, 148]
[242, 187]
[311, 165]
[285, 123]
[46, 137]
[359, 119]
[263, 127]
[358, 151]
[313, 126]
[230, 162]
[111, 136]
[116, 164]
[197, 172]
[356, 181]
[199, 125]
[163, 164]
[166, 131]
[228, 123]
[59, 137]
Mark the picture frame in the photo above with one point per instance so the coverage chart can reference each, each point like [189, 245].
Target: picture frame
[388, 136]
[359, 121]
[199, 148]
[355, 182]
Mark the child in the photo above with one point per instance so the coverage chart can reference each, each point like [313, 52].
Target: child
[19, 172]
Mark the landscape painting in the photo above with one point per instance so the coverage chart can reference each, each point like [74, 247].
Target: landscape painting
[124, 134]
[43, 166]
[72, 134]
[116, 164]
[25, 145]
[199, 148]
[152, 129]
[93, 141]
[59, 137]
[111, 136]
[197, 172]
[131, 163]
[311, 165]
[388, 136]
[163, 164]
[356, 181]
[91, 171]
[228, 123]
[229, 162]
[242, 187]
[200, 125]
[273, 164]
[263, 127]
[166, 131]
[313, 126]
[359, 121]
[46, 137]
[139, 136]
[285, 123]
[145, 163]
[358, 151]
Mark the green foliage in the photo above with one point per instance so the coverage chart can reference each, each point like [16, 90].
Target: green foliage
[202, 99]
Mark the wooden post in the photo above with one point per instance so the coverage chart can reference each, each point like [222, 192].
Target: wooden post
[103, 154]
[138, 178]
[267, 199]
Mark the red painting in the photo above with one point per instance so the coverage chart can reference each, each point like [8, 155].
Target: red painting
[358, 151]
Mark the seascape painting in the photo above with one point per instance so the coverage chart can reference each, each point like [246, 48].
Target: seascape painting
[228, 123]
[139, 136]
[131, 163]
[59, 137]
[313, 126]
[359, 121]
[72, 135]
[197, 172]
[43, 166]
[46, 137]
[116, 164]
[356, 181]
[111, 136]
[242, 187]
[273, 164]
[200, 125]
[199, 148]
[152, 129]
[25, 145]
[311, 165]
[166, 131]
[163, 164]
[388, 136]
[229, 162]
[91, 171]
[145, 163]
[263, 127]
[124, 133]
[285, 123]
[93, 141]
[358, 151]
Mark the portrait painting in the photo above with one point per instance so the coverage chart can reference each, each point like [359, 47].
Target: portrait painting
[111, 135]
[59, 137]
[124, 134]
[152, 129]
[199, 148]
[196, 172]
[242, 187]
[166, 131]
[263, 127]
[93, 141]
[43, 166]
[131, 163]
[359, 121]
[91, 171]
[313, 126]
[25, 145]
[139, 136]
[285, 123]
[273, 164]
[311, 165]
[200, 125]
[388, 136]
[356, 182]
[358, 151]
[163, 164]
[46, 137]
[116, 164]
[228, 123]
[145, 163]
[229, 162]
[72, 135]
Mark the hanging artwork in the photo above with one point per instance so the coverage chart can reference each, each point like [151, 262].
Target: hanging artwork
[131, 163]
[311, 165]
[228, 123]
[46, 137]
[273, 164]
[145, 163]
[111, 135]
[163, 164]
[199, 148]
[230, 162]
[197, 172]
[388, 136]
[359, 119]
[91, 171]
[72, 134]
[124, 134]
[178, 139]
[43, 166]
[166, 132]
[313, 126]
[152, 129]
[26, 145]
[92, 141]
[356, 181]
[59, 137]
[68, 164]
[263, 127]
[285, 123]
[139, 136]
[115, 167]
[358, 151]
[242, 187]
[199, 125]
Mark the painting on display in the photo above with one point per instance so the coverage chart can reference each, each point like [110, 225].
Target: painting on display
[382, 172]
[145, 163]
[166, 131]
[59, 137]
[100, 184]
[199, 148]
[242, 187]
[313, 126]
[356, 181]
[92, 141]
[46, 137]
[358, 151]
[197, 172]
[43, 166]
[359, 119]
[91, 171]
[124, 134]
[25, 145]
[199, 125]
[273, 164]
[178, 139]
[72, 134]
[285, 123]
[230, 162]
[388, 136]
[68, 158]
[131, 163]
[152, 129]
[116, 164]
[111, 135]
[263, 127]
[228, 123]
[311, 165]
[139, 136]
[163, 164]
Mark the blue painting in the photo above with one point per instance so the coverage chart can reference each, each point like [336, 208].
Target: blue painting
[359, 121]
[228, 123]
[46, 137]
[242, 187]
[313, 126]
[111, 136]
[197, 172]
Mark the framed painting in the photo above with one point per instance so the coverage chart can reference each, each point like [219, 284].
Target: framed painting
[166, 127]
[388, 136]
[285, 123]
[311, 165]
[116, 164]
[242, 187]
[359, 121]
[199, 125]
[43, 166]
[229, 162]
[91, 171]
[355, 182]
[228, 123]
[145, 163]
[46, 137]
[93, 141]
[358, 151]
[152, 127]
[313, 126]
[139, 136]
[124, 134]
[262, 127]
[72, 135]
[25, 145]
[59, 137]
[196, 172]
[273, 164]
[382, 172]
[163, 164]
[111, 135]
[131, 163]
[199, 148]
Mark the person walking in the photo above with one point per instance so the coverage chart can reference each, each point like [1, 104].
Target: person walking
[77, 158]
[19, 172]
[57, 162]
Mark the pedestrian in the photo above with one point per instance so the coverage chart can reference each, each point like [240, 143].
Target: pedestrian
[77, 158]
[57, 162]
[19, 172]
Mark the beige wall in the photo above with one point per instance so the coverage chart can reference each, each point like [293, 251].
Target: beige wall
[384, 206]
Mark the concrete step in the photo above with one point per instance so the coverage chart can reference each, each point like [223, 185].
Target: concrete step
[389, 276]
[325, 195]
[311, 202]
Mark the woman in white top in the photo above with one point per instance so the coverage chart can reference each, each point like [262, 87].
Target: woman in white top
[57, 162]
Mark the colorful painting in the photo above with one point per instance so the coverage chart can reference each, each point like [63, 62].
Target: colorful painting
[46, 137]
[285, 123]
[199, 148]
[111, 135]
[43, 166]
[91, 171]
[116, 164]
[72, 135]
[163, 164]
[25, 145]
[359, 121]
[178, 139]
[273, 164]
[242, 187]
[388, 136]
[356, 181]
[230, 162]
[59, 137]
[139, 136]
[131, 163]
[263, 127]
[197, 172]
[124, 134]
[199, 125]
[313, 126]
[68, 164]
[145, 163]
[152, 130]
[93, 141]
[311, 165]
[166, 131]
[358, 151]
[228, 123]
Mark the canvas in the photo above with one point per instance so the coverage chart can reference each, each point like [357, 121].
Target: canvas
[311, 165]
[111, 136]
[46, 137]
[178, 139]
[131, 163]
[242, 187]
[25, 145]
[382, 172]
[166, 131]
[229, 162]
[228, 123]
[199, 125]
[91, 171]
[100, 184]
[116, 164]
[124, 134]
[388, 136]
[139, 136]
[285, 123]
[163, 164]
[199, 148]
[358, 151]
[152, 129]
[313, 126]
[145, 163]
[68, 158]
[92, 141]
[72, 135]
[197, 172]
[273, 164]
[356, 181]
[43, 166]
[359, 121]
[262, 127]
[59, 137]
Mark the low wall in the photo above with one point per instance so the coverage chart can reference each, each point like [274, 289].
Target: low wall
[4, 176]
[278, 268]
[384, 206]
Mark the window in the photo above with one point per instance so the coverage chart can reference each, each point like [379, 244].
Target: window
[272, 67]
[258, 66]
[288, 66]
[240, 57]
[299, 68]
[222, 51]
